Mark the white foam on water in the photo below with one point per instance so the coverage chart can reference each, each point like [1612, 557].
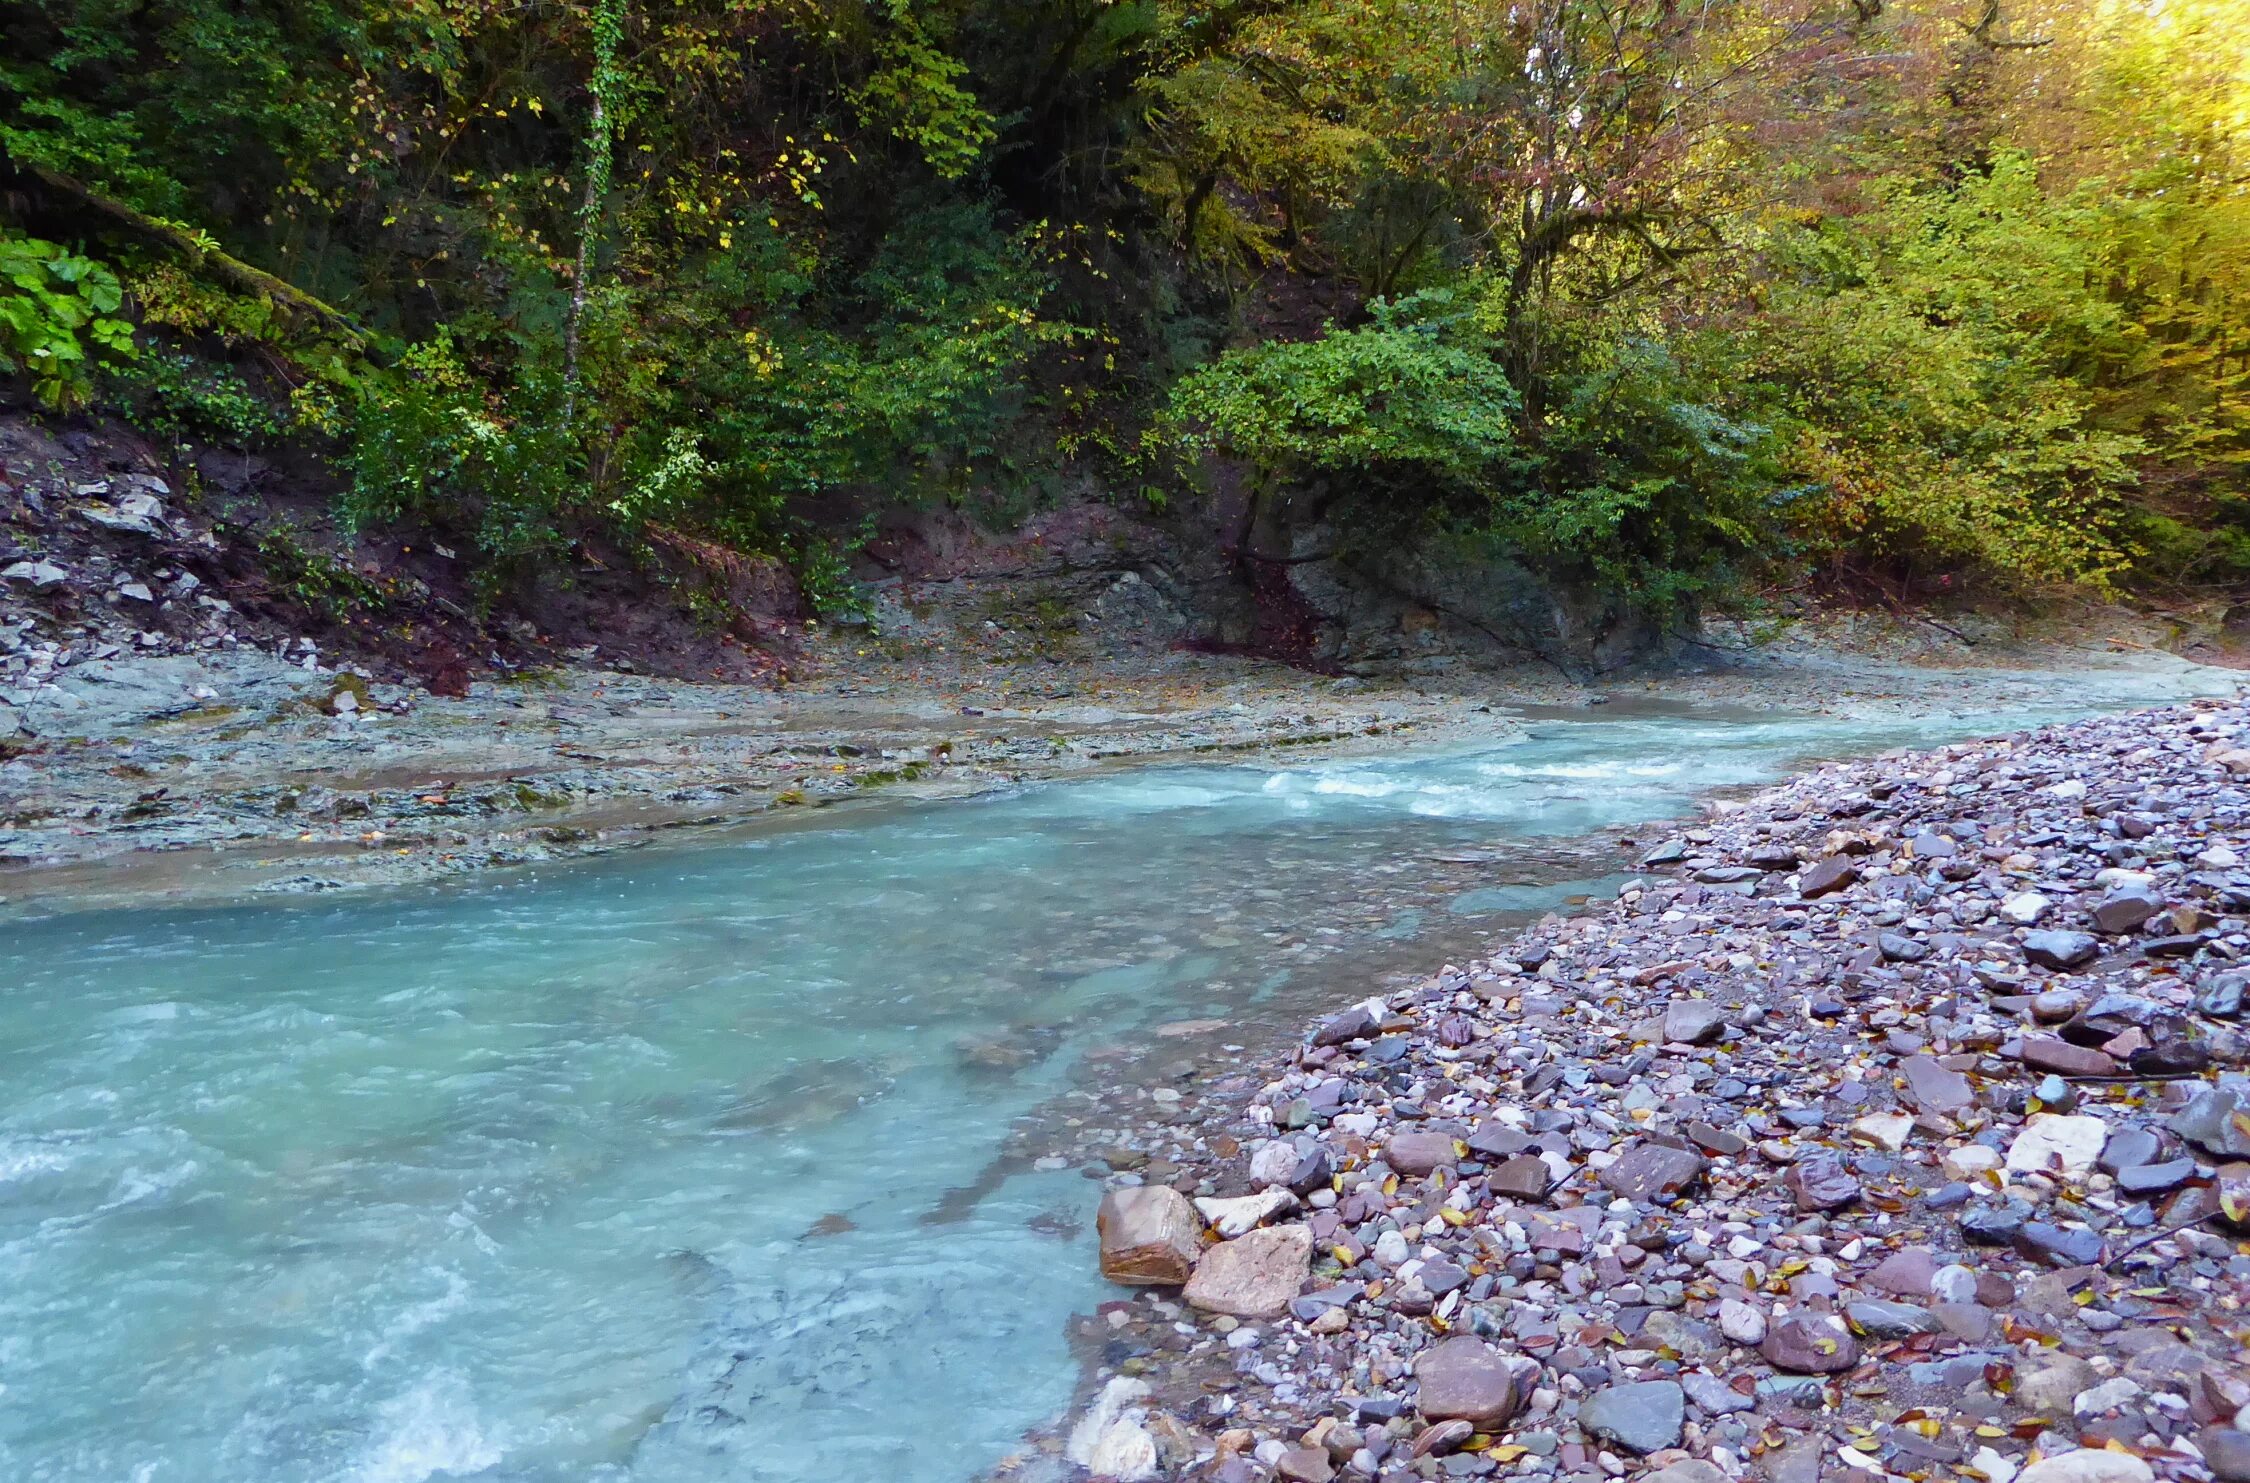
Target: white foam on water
[22, 1158]
[416, 1317]
[431, 1431]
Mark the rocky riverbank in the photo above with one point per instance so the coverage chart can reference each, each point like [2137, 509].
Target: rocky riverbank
[1893, 1125]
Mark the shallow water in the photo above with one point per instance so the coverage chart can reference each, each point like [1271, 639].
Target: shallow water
[520, 1179]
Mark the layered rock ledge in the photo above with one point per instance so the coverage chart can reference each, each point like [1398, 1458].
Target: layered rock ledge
[1893, 1125]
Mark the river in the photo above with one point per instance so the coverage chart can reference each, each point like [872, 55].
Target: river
[625, 1170]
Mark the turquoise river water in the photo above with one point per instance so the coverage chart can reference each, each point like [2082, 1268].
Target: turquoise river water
[515, 1179]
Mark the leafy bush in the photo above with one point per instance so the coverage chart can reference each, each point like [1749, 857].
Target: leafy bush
[1935, 411]
[1641, 483]
[179, 395]
[1392, 403]
[58, 311]
[433, 442]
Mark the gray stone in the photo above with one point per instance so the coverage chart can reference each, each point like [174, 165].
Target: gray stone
[1821, 1182]
[1693, 1021]
[2218, 1120]
[1827, 876]
[2125, 908]
[2061, 951]
[1713, 1396]
[2226, 1452]
[1641, 1417]
[2049, 1383]
[1647, 1172]
[1934, 1088]
[1880, 1319]
[1417, 1154]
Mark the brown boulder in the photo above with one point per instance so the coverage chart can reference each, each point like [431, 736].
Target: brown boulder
[1151, 1236]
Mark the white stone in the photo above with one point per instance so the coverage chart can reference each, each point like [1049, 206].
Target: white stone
[2049, 1138]
[37, 573]
[1241, 1216]
[1991, 1466]
[1953, 1284]
[2218, 857]
[1120, 1395]
[1968, 1161]
[2068, 790]
[2089, 1465]
[2026, 908]
[1126, 1452]
[1741, 1322]
[1391, 1249]
[1884, 1130]
[1274, 1163]
[2115, 1391]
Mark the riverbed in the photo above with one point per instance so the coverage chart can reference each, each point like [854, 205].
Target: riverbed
[650, 1168]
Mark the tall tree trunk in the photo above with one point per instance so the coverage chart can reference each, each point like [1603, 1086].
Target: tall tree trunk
[609, 35]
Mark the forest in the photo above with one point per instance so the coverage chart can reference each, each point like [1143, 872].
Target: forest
[1678, 301]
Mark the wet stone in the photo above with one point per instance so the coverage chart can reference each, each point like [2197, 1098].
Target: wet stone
[1352, 1024]
[1149, 1235]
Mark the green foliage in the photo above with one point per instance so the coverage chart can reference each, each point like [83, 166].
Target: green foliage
[180, 396]
[1392, 403]
[1938, 366]
[431, 441]
[313, 579]
[58, 314]
[1638, 293]
[1641, 484]
[915, 94]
